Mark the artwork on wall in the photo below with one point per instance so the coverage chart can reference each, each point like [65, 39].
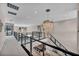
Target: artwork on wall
[1, 24]
[48, 26]
[9, 29]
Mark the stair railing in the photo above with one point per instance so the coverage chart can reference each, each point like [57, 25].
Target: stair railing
[56, 42]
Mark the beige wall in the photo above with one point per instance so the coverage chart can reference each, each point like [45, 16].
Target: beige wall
[66, 33]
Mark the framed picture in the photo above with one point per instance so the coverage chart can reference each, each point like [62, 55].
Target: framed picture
[1, 24]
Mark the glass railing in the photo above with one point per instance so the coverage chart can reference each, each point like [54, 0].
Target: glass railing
[24, 38]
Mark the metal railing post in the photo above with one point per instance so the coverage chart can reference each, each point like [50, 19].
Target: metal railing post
[21, 38]
[43, 49]
[30, 45]
[25, 39]
[39, 35]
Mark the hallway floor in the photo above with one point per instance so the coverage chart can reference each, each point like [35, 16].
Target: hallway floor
[12, 48]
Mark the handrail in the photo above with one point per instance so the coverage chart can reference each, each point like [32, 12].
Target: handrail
[58, 48]
[15, 35]
[57, 41]
[27, 51]
[38, 34]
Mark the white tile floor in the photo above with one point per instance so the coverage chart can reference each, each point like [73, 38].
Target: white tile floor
[12, 48]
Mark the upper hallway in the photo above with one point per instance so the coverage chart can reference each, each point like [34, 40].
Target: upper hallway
[30, 15]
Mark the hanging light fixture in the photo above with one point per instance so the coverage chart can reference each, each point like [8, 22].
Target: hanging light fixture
[47, 13]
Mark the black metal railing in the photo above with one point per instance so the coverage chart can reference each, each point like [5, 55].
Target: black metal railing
[58, 48]
[33, 39]
[24, 39]
[26, 50]
[56, 42]
[38, 35]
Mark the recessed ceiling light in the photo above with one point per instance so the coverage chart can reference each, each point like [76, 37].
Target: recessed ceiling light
[48, 10]
[35, 11]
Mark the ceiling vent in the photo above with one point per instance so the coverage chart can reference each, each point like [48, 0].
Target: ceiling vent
[12, 6]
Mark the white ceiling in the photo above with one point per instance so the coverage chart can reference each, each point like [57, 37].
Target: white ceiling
[34, 13]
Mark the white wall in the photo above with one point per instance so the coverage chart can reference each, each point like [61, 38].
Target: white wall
[32, 28]
[78, 32]
[1, 33]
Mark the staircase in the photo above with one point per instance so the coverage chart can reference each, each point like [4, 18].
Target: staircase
[56, 42]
